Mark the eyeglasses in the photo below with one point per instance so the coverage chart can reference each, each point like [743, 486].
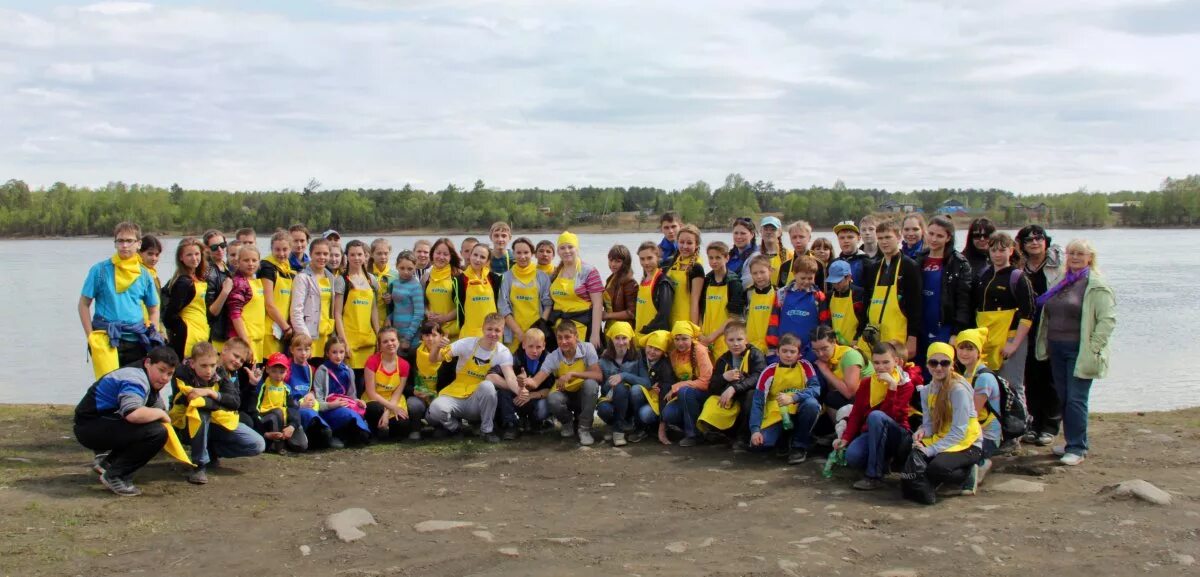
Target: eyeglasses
[934, 363]
[219, 246]
[125, 241]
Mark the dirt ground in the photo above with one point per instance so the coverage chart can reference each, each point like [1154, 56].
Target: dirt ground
[645, 510]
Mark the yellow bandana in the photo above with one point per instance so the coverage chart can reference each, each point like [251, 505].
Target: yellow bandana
[284, 266]
[438, 274]
[127, 271]
[525, 274]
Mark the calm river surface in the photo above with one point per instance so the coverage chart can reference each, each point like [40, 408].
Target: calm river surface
[1157, 287]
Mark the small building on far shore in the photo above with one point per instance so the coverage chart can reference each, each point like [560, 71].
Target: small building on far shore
[952, 207]
[899, 207]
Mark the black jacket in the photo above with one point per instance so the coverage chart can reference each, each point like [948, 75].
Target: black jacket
[908, 290]
[956, 290]
[735, 303]
[229, 390]
[756, 365]
[663, 295]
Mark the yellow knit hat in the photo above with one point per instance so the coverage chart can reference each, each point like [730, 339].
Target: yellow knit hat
[974, 336]
[568, 237]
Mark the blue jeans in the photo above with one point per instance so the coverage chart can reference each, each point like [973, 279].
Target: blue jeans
[240, 442]
[643, 413]
[1072, 393]
[615, 412]
[802, 425]
[874, 449]
[508, 413]
[684, 410]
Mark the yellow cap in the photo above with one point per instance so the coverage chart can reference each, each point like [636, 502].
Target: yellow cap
[568, 237]
[687, 328]
[660, 340]
[974, 336]
[940, 349]
[619, 328]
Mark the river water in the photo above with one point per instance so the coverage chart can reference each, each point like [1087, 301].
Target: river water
[45, 360]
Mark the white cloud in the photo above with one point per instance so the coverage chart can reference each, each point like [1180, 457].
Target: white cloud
[1026, 95]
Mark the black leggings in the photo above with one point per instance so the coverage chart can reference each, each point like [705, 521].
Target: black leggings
[952, 468]
[130, 445]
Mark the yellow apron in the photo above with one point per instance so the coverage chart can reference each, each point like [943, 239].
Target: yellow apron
[384, 279]
[716, 312]
[645, 311]
[786, 380]
[777, 261]
[325, 326]
[758, 316]
[562, 292]
[189, 415]
[439, 295]
[273, 395]
[479, 302]
[356, 322]
[885, 311]
[842, 318]
[387, 383]
[427, 373]
[467, 379]
[718, 417]
[525, 302]
[195, 317]
[973, 431]
[254, 316]
[104, 356]
[281, 295]
[575, 365]
[999, 325]
[681, 307]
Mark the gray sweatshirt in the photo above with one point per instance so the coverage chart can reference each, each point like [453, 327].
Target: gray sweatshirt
[963, 404]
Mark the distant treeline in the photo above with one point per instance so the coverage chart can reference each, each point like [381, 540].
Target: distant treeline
[63, 210]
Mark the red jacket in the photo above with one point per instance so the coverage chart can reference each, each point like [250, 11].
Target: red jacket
[895, 405]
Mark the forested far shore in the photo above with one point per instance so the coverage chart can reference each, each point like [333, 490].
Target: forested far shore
[65, 210]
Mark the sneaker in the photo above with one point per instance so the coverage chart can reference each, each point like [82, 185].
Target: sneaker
[491, 437]
[1043, 439]
[689, 441]
[568, 430]
[414, 436]
[636, 436]
[585, 438]
[1071, 459]
[1009, 447]
[509, 434]
[867, 484]
[1059, 450]
[984, 469]
[100, 463]
[618, 439]
[608, 436]
[972, 483]
[1030, 436]
[797, 456]
[198, 476]
[336, 443]
[120, 485]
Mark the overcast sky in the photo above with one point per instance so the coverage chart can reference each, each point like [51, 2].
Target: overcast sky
[1028, 95]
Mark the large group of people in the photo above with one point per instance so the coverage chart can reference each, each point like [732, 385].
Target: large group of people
[886, 345]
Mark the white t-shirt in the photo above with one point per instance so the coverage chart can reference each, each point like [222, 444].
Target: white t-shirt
[464, 348]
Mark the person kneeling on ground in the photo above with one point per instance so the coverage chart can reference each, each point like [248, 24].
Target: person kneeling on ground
[693, 371]
[472, 395]
[646, 400]
[389, 412]
[732, 386]
[786, 400]
[276, 412]
[622, 366]
[533, 408]
[877, 427]
[123, 419]
[208, 393]
[576, 367]
[949, 439]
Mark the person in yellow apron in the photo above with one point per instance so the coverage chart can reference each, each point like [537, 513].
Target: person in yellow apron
[185, 315]
[390, 413]
[1005, 306]
[732, 386]
[380, 266]
[110, 305]
[575, 367]
[688, 273]
[524, 294]
[693, 371]
[205, 408]
[544, 252]
[895, 292]
[356, 317]
[277, 413]
[986, 387]
[846, 309]
[312, 298]
[722, 299]
[472, 395]
[478, 289]
[246, 304]
[787, 390]
[878, 421]
[760, 299]
[656, 293]
[276, 274]
[441, 289]
[949, 435]
[841, 369]
[425, 378]
[645, 400]
[577, 292]
[772, 247]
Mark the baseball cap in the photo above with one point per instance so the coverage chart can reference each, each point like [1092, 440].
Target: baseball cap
[325, 235]
[278, 359]
[770, 221]
[845, 225]
[838, 270]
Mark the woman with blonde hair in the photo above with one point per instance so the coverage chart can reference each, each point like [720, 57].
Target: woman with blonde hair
[949, 438]
[1078, 318]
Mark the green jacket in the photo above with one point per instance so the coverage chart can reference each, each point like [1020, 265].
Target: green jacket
[1099, 320]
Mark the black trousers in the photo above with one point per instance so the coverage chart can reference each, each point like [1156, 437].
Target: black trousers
[273, 422]
[952, 468]
[130, 446]
[129, 353]
[1044, 408]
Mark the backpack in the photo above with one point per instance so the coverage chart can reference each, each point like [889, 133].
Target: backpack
[1013, 416]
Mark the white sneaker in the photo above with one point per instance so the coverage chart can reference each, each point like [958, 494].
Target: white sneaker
[568, 430]
[618, 439]
[1059, 450]
[1071, 459]
[585, 438]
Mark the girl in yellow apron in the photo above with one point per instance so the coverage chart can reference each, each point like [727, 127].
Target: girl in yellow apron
[644, 400]
[772, 246]
[735, 374]
[246, 305]
[655, 295]
[688, 273]
[441, 290]
[355, 314]
[572, 277]
[524, 294]
[276, 275]
[722, 299]
[389, 412]
[477, 290]
[693, 371]
[380, 267]
[760, 298]
[949, 435]
[185, 314]
[1004, 303]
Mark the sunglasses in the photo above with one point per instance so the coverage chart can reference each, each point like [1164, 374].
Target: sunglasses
[216, 247]
[1033, 238]
[934, 363]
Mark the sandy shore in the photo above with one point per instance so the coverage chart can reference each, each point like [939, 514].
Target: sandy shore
[541, 506]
